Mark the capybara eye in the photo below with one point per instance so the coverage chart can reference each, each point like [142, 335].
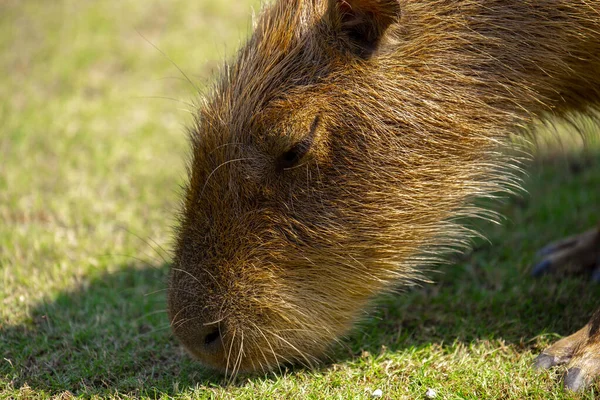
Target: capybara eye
[290, 158]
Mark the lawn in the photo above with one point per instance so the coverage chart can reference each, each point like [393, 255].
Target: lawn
[92, 153]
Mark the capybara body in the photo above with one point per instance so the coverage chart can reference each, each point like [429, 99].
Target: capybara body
[336, 156]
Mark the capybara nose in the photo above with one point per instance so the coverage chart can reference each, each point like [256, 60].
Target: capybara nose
[205, 341]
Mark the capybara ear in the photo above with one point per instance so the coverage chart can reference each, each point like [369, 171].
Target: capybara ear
[362, 23]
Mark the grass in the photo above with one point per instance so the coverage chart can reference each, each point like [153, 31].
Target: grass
[92, 151]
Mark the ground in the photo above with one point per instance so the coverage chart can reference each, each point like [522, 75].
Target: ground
[92, 153]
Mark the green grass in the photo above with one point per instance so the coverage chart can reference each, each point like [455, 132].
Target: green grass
[92, 154]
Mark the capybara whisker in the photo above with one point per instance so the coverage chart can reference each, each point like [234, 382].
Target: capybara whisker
[163, 251]
[174, 319]
[190, 105]
[188, 273]
[163, 311]
[149, 244]
[147, 263]
[183, 74]
[219, 166]
[275, 357]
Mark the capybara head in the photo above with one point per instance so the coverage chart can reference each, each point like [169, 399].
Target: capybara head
[326, 163]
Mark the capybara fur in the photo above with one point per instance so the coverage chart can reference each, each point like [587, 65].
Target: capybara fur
[336, 156]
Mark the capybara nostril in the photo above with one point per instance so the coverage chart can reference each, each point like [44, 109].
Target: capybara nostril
[212, 339]
[205, 341]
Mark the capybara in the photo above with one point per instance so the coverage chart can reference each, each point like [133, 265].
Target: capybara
[339, 152]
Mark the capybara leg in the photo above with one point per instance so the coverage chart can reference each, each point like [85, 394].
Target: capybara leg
[574, 254]
[581, 351]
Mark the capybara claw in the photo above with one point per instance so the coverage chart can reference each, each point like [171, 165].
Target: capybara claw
[575, 254]
[545, 361]
[541, 268]
[575, 379]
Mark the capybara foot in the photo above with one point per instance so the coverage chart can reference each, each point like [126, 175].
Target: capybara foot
[575, 254]
[581, 353]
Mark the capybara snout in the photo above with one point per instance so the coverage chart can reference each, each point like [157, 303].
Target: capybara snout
[340, 150]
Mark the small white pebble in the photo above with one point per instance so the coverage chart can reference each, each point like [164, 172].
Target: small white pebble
[377, 393]
[430, 394]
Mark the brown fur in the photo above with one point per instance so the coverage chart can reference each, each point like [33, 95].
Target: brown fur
[403, 108]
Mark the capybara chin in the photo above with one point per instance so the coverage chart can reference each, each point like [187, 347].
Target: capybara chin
[338, 153]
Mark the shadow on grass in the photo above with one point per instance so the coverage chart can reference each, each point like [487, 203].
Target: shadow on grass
[111, 335]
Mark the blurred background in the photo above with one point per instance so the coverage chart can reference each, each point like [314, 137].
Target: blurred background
[92, 116]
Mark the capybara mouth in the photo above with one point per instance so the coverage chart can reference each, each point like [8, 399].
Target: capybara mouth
[232, 356]
[340, 151]
[230, 349]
